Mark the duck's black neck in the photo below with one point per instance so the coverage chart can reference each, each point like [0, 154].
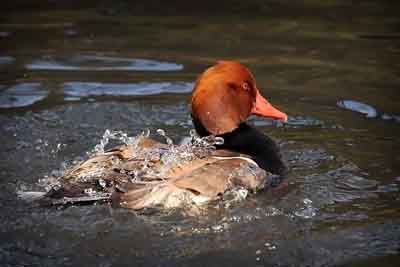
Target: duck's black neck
[248, 140]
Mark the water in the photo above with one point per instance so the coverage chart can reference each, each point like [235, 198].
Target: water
[69, 74]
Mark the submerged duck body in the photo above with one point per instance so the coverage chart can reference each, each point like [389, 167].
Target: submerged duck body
[148, 174]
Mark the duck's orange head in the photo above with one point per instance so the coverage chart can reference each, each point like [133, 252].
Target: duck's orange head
[225, 95]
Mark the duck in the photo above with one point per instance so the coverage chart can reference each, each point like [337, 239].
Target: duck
[225, 152]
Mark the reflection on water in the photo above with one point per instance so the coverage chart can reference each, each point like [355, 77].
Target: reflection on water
[101, 63]
[22, 95]
[356, 106]
[6, 60]
[4, 34]
[28, 93]
[86, 89]
[367, 110]
[340, 203]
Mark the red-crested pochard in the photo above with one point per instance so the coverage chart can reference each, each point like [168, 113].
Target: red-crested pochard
[139, 175]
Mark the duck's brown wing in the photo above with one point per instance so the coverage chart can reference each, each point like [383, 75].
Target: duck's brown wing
[198, 182]
[105, 173]
[109, 160]
[215, 178]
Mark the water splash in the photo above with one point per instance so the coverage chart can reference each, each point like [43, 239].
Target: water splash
[170, 156]
[196, 147]
[167, 139]
[118, 136]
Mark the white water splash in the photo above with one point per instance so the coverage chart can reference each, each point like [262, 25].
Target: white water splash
[170, 157]
[196, 147]
[118, 136]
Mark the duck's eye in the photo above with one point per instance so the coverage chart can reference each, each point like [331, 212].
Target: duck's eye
[246, 86]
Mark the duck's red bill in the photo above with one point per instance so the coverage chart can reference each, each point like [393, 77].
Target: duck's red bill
[264, 109]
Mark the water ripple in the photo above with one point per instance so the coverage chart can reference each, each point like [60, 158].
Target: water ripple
[357, 106]
[340, 185]
[6, 60]
[22, 95]
[101, 63]
[85, 89]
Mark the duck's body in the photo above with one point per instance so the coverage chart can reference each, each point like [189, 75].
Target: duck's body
[141, 175]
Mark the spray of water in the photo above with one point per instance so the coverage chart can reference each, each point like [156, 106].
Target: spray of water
[118, 136]
[170, 157]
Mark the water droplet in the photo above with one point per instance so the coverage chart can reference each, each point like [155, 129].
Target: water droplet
[307, 201]
[89, 191]
[146, 133]
[219, 140]
[161, 132]
[167, 139]
[193, 133]
[102, 183]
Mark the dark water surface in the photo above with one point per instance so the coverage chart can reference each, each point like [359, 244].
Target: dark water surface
[69, 72]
